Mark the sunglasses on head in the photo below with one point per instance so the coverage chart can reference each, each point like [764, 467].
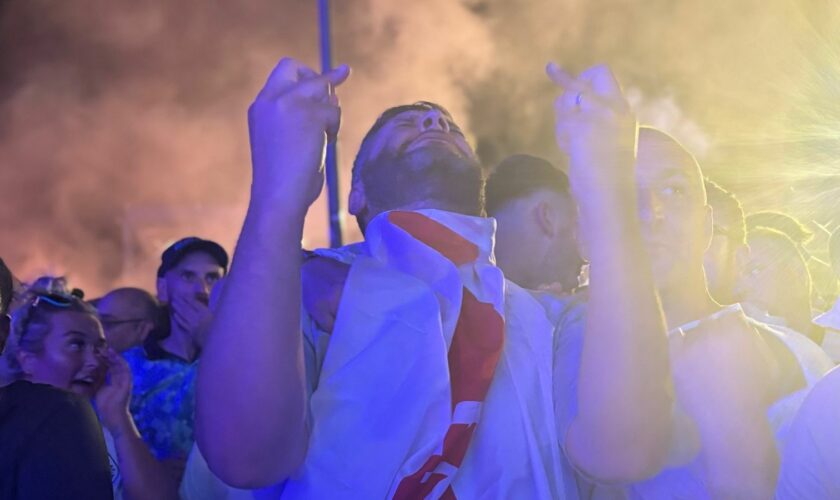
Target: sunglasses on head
[52, 299]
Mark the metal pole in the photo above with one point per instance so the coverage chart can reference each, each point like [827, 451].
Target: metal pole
[331, 165]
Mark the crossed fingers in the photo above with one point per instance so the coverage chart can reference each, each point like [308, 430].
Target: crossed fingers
[292, 76]
[594, 88]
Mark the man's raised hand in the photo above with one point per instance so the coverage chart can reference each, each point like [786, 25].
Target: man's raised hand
[290, 122]
[594, 126]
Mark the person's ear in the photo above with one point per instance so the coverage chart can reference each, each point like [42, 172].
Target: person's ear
[546, 218]
[162, 291]
[357, 201]
[146, 328]
[26, 360]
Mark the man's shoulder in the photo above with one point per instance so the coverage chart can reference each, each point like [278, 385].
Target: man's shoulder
[345, 254]
[826, 391]
[323, 274]
[153, 372]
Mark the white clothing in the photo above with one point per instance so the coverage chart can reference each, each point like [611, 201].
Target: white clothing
[830, 320]
[812, 359]
[811, 458]
[684, 479]
[381, 393]
[116, 477]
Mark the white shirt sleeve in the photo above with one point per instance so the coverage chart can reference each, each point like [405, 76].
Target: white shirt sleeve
[811, 458]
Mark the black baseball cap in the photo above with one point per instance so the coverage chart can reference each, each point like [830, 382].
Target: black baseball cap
[181, 248]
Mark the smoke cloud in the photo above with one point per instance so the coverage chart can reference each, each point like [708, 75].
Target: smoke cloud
[122, 124]
[123, 127]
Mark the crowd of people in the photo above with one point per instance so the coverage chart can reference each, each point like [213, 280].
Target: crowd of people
[615, 327]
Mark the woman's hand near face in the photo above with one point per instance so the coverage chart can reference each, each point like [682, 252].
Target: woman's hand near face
[113, 397]
[143, 476]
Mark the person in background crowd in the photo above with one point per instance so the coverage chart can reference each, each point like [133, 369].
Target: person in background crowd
[721, 442]
[536, 219]
[313, 418]
[824, 289]
[188, 270]
[57, 340]
[6, 293]
[163, 400]
[781, 222]
[774, 288]
[728, 246]
[774, 284]
[128, 316]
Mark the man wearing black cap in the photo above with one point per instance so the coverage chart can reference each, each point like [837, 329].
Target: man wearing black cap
[164, 368]
[188, 270]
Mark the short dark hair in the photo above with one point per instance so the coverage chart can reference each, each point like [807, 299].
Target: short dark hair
[386, 116]
[727, 212]
[781, 222]
[6, 287]
[520, 175]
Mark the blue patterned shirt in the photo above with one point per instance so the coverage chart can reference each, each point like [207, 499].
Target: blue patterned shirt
[163, 401]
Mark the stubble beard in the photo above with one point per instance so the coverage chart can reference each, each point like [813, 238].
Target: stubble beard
[434, 176]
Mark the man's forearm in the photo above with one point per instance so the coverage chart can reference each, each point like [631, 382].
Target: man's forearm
[251, 405]
[622, 431]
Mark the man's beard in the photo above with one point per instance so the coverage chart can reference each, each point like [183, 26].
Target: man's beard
[429, 177]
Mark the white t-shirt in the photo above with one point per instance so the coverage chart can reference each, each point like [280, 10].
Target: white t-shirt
[811, 458]
[116, 477]
[830, 320]
[386, 380]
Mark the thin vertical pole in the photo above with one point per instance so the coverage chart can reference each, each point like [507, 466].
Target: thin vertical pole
[331, 165]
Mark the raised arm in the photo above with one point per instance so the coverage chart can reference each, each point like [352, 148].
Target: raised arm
[621, 431]
[251, 398]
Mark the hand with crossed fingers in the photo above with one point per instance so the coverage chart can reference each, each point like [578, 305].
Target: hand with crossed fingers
[290, 122]
[596, 128]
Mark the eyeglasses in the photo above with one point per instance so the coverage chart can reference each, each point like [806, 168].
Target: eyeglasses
[115, 321]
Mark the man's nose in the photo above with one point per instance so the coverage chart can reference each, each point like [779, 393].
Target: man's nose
[203, 287]
[651, 208]
[434, 120]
